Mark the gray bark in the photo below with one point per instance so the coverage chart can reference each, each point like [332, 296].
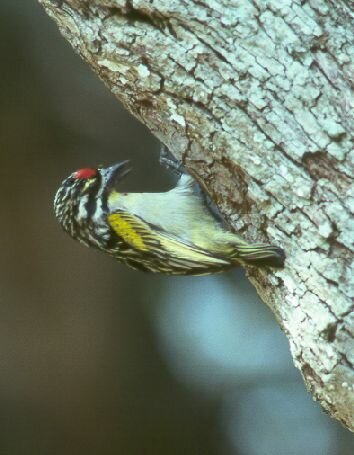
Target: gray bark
[256, 99]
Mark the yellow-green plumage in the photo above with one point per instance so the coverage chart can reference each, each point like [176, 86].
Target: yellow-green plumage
[171, 232]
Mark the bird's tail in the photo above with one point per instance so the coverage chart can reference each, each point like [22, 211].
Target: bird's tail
[260, 254]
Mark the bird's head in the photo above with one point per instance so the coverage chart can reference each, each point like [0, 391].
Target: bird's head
[80, 204]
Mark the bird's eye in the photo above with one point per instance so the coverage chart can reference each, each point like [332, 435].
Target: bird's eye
[84, 174]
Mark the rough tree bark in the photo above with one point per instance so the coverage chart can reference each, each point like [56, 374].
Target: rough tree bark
[256, 99]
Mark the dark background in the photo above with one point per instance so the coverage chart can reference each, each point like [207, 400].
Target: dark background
[96, 358]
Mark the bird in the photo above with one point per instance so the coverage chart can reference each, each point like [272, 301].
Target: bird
[171, 232]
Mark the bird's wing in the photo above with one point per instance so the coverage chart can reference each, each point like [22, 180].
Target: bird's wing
[151, 240]
[133, 231]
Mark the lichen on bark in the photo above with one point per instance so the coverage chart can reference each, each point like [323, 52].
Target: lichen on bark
[256, 99]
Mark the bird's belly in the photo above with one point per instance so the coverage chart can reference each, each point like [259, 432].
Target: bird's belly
[184, 217]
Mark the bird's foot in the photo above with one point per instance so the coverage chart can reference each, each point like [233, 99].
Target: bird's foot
[169, 161]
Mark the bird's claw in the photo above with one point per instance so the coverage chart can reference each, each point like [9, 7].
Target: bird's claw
[169, 161]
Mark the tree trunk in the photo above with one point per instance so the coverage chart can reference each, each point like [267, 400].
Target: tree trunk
[255, 98]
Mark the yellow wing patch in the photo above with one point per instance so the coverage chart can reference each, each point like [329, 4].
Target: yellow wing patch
[129, 228]
[167, 248]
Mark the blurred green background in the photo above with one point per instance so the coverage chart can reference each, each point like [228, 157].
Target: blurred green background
[96, 358]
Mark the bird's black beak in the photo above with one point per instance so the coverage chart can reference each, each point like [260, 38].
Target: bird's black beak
[115, 174]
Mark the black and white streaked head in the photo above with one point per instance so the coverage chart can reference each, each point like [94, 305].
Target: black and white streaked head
[80, 204]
